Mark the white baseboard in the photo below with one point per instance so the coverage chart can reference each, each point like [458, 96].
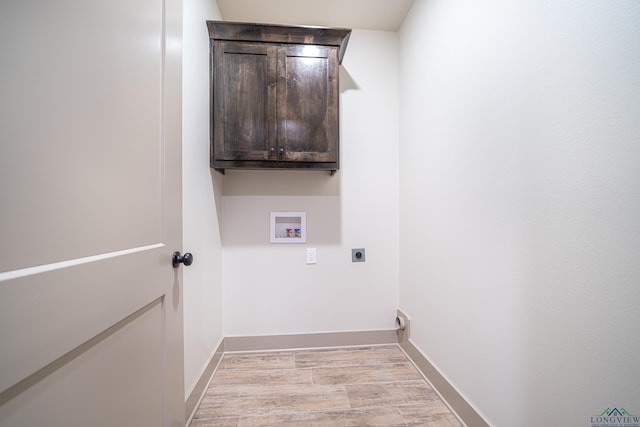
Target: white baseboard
[200, 388]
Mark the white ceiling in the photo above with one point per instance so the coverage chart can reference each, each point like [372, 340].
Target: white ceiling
[363, 14]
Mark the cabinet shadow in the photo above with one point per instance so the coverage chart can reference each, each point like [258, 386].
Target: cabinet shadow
[250, 196]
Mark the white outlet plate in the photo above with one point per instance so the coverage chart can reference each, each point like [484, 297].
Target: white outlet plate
[311, 255]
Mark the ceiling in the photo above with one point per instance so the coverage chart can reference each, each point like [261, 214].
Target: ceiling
[386, 15]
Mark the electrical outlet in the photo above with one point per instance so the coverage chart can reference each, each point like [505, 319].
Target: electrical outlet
[311, 255]
[357, 255]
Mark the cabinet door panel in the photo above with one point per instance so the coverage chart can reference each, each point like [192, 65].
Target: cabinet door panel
[244, 101]
[307, 103]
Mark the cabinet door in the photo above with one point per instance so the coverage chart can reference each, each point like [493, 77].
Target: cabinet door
[307, 103]
[244, 105]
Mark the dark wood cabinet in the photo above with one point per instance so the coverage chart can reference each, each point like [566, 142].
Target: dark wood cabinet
[275, 96]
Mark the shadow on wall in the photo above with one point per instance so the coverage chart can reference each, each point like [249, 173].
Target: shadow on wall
[251, 195]
[217, 191]
[280, 183]
[346, 81]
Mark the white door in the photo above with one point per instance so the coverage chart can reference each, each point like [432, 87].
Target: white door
[90, 213]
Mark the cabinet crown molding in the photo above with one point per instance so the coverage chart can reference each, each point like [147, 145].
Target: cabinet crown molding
[274, 33]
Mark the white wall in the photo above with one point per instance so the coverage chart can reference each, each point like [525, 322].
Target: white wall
[268, 288]
[520, 203]
[201, 199]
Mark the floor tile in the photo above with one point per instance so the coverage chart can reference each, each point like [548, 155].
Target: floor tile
[365, 374]
[215, 422]
[350, 357]
[231, 401]
[400, 393]
[302, 419]
[435, 413]
[372, 417]
[264, 377]
[253, 361]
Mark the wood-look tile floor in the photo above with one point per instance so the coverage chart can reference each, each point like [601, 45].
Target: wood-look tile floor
[367, 386]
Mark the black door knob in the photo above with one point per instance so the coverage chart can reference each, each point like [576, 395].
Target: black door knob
[186, 259]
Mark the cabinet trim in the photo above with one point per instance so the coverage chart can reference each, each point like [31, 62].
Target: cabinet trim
[272, 33]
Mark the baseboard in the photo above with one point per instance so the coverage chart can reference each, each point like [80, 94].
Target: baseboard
[456, 402]
[302, 341]
[201, 386]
